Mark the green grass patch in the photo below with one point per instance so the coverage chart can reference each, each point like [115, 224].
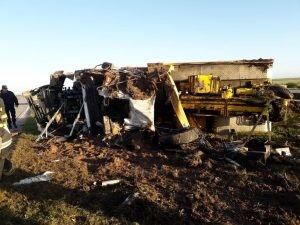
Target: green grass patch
[291, 82]
[30, 126]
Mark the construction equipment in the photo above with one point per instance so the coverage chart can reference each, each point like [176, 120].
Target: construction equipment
[227, 104]
[204, 84]
[205, 96]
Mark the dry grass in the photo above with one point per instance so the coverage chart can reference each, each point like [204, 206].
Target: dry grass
[33, 204]
[171, 192]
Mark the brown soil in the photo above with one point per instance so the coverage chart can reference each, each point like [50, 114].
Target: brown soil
[141, 88]
[173, 188]
[137, 85]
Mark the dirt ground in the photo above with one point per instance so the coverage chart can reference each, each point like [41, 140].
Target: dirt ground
[170, 187]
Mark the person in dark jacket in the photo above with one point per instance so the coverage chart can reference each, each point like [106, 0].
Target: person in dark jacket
[10, 101]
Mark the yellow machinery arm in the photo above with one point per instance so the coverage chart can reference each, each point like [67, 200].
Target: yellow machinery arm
[175, 101]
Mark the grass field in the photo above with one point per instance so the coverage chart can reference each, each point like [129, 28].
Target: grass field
[30, 127]
[287, 80]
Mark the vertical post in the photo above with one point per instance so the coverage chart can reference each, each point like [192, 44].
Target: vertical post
[85, 107]
[268, 126]
[76, 121]
[286, 110]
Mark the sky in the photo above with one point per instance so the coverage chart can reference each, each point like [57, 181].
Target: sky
[38, 37]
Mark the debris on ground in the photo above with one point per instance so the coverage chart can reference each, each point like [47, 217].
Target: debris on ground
[283, 151]
[195, 159]
[110, 182]
[232, 162]
[258, 149]
[160, 187]
[129, 200]
[40, 178]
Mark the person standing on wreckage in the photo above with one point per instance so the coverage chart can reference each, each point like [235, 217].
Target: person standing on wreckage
[6, 167]
[10, 101]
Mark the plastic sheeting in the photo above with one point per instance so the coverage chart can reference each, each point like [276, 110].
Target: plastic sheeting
[141, 114]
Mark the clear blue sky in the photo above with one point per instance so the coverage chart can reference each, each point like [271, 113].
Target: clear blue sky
[38, 37]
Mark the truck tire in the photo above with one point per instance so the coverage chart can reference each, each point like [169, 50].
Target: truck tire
[183, 137]
[281, 91]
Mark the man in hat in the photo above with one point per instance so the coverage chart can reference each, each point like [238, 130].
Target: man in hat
[10, 101]
[6, 167]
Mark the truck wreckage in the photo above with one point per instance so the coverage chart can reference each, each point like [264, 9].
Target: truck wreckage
[165, 104]
[148, 145]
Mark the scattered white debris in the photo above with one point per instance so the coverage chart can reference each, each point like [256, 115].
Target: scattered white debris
[40, 178]
[283, 151]
[232, 162]
[130, 198]
[56, 160]
[110, 182]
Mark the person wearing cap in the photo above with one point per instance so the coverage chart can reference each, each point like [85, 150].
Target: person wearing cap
[10, 101]
[6, 167]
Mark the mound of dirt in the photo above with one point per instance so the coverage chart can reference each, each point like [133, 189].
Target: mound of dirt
[139, 88]
[137, 84]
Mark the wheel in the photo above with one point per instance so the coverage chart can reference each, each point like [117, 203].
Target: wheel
[281, 91]
[183, 137]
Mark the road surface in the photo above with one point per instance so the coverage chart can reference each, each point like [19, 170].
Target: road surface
[22, 112]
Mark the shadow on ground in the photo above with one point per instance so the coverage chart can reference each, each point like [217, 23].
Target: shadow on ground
[107, 200]
[7, 217]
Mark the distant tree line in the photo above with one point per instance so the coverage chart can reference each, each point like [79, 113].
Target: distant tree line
[293, 85]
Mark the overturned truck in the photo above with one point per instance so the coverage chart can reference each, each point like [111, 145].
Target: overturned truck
[165, 102]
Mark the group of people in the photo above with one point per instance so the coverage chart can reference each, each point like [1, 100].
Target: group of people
[8, 101]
